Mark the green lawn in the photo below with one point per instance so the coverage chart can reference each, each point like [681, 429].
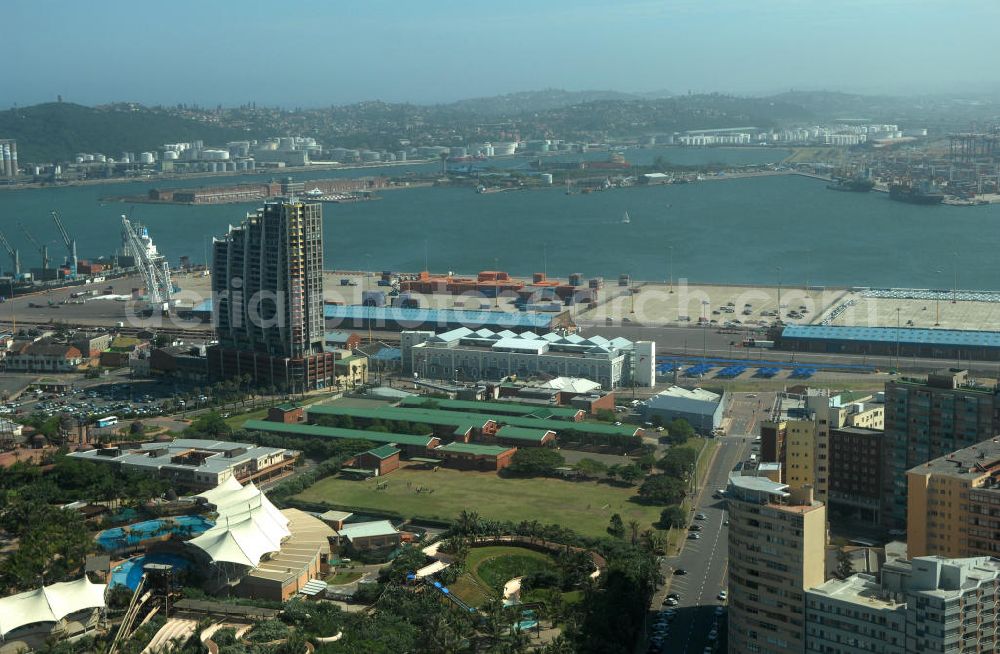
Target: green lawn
[584, 506]
[343, 577]
[469, 591]
[495, 566]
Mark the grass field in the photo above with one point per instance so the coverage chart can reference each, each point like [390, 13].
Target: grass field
[584, 506]
[495, 566]
[469, 591]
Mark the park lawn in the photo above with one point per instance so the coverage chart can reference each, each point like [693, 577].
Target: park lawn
[343, 577]
[494, 566]
[583, 506]
[237, 421]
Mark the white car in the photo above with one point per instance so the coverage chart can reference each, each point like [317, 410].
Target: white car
[722, 595]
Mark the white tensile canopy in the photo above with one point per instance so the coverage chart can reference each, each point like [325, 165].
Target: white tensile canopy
[248, 526]
[49, 603]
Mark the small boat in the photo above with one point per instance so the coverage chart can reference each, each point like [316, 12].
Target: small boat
[625, 219]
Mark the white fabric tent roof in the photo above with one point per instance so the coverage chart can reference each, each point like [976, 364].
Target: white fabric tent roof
[248, 527]
[49, 603]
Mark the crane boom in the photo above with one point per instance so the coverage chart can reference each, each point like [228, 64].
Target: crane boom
[156, 272]
[42, 249]
[70, 244]
[15, 256]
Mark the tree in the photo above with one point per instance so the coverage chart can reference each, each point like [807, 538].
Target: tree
[633, 530]
[136, 428]
[630, 474]
[662, 489]
[680, 431]
[616, 527]
[590, 467]
[606, 415]
[845, 566]
[678, 462]
[535, 461]
[672, 517]
[209, 424]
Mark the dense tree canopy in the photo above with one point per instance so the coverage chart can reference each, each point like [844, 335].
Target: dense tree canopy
[535, 461]
[662, 489]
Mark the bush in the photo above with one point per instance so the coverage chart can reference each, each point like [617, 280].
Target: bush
[267, 631]
[535, 461]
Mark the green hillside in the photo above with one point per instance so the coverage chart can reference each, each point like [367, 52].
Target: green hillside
[57, 131]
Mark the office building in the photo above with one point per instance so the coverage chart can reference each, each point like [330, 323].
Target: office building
[954, 503]
[926, 604]
[777, 539]
[798, 435]
[856, 456]
[468, 355]
[267, 287]
[928, 419]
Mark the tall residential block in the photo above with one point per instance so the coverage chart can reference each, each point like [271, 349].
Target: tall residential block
[954, 503]
[267, 287]
[856, 456]
[777, 540]
[928, 419]
[927, 604]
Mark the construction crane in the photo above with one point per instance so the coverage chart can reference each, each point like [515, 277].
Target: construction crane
[156, 272]
[42, 249]
[15, 256]
[70, 244]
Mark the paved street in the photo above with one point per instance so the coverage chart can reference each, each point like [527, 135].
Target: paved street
[705, 559]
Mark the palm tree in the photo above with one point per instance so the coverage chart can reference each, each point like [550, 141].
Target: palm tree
[633, 527]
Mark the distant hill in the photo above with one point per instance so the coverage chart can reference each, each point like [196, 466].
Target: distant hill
[57, 131]
[529, 101]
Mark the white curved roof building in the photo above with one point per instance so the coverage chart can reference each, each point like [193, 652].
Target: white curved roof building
[248, 527]
[49, 603]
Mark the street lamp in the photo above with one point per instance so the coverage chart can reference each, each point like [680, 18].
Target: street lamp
[671, 249]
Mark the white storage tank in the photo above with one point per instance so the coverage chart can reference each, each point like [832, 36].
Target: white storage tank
[215, 155]
[170, 155]
[146, 158]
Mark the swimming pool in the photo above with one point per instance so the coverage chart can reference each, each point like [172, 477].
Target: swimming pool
[118, 538]
[130, 572]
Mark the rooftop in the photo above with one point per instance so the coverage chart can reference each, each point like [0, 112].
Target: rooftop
[336, 432]
[473, 448]
[368, 529]
[969, 463]
[503, 408]
[219, 455]
[438, 317]
[523, 433]
[382, 452]
[858, 589]
[903, 335]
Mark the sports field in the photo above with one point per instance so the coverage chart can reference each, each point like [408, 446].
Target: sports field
[583, 506]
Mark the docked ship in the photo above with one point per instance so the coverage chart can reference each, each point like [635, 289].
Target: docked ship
[915, 193]
[853, 184]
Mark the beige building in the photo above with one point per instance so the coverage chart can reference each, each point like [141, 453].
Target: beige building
[953, 503]
[777, 540]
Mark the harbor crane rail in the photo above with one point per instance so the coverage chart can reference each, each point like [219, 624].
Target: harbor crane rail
[156, 273]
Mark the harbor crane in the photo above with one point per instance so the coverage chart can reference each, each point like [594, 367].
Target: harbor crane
[42, 249]
[156, 272]
[70, 244]
[15, 256]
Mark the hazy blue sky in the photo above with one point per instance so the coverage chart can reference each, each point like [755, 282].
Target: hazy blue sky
[309, 53]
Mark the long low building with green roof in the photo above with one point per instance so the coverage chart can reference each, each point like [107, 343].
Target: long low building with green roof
[496, 408]
[475, 456]
[484, 425]
[412, 444]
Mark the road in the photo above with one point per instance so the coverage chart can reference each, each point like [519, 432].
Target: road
[706, 560]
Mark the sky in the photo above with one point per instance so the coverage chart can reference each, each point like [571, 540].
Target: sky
[308, 53]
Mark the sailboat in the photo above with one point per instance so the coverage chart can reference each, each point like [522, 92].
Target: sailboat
[625, 219]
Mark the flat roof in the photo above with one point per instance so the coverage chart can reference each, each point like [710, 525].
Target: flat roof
[221, 455]
[439, 317]
[447, 418]
[473, 448]
[508, 408]
[368, 529]
[969, 463]
[383, 451]
[336, 432]
[858, 589]
[903, 335]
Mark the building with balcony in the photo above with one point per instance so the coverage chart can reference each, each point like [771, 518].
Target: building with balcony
[777, 539]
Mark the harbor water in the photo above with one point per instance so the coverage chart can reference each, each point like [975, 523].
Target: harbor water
[727, 231]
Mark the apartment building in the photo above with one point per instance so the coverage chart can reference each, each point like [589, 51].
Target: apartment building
[267, 287]
[927, 419]
[953, 503]
[926, 604]
[856, 455]
[777, 538]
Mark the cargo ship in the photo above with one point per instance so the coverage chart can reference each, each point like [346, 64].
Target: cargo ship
[852, 184]
[915, 193]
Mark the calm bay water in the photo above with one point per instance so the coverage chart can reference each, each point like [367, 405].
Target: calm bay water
[736, 230]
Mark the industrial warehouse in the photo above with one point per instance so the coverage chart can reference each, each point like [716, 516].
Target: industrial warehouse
[483, 354]
[892, 341]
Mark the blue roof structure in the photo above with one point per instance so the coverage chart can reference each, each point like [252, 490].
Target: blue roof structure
[416, 318]
[388, 354]
[905, 335]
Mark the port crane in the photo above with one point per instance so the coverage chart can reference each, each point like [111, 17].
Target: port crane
[42, 249]
[15, 256]
[156, 272]
[70, 244]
